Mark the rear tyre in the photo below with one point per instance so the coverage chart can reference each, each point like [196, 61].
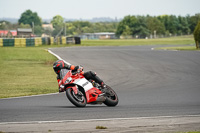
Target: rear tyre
[111, 98]
[78, 100]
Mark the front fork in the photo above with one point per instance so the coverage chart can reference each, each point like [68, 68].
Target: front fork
[75, 89]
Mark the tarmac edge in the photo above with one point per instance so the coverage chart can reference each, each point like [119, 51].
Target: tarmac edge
[125, 125]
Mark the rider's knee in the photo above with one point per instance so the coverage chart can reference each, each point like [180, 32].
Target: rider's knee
[93, 73]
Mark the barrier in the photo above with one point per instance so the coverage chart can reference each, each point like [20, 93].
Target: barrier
[38, 41]
[20, 42]
[73, 40]
[30, 42]
[63, 40]
[43, 41]
[17, 42]
[8, 42]
[47, 40]
[51, 40]
[26, 42]
[58, 40]
[1, 42]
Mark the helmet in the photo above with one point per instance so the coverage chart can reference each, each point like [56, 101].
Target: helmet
[58, 65]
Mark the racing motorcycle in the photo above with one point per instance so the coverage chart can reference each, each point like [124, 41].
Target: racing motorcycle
[81, 91]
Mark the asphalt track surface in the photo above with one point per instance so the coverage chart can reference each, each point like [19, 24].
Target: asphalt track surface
[149, 83]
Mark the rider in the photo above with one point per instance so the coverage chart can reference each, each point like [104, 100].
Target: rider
[59, 64]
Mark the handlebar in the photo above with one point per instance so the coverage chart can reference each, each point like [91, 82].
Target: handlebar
[76, 72]
[79, 70]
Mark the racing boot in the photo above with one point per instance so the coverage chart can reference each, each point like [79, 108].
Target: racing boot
[103, 87]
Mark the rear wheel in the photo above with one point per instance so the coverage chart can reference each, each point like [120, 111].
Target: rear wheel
[111, 98]
[78, 100]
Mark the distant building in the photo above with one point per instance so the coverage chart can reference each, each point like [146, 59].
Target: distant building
[24, 32]
[101, 35]
[3, 32]
[48, 30]
[47, 26]
[8, 33]
[13, 32]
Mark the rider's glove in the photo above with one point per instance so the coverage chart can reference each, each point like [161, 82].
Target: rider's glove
[78, 68]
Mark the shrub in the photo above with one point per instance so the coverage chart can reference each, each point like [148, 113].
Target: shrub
[197, 35]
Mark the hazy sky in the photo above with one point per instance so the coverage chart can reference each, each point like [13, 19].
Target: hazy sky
[88, 9]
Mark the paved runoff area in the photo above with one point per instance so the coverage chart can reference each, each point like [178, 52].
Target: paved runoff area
[126, 125]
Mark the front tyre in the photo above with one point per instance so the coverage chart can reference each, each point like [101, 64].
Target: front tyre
[111, 98]
[78, 100]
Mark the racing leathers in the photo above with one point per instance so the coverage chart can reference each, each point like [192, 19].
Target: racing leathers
[88, 75]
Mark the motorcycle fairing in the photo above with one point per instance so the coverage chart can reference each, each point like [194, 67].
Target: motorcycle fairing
[84, 83]
[92, 94]
[90, 91]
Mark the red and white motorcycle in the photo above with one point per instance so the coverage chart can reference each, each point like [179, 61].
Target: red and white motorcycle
[81, 91]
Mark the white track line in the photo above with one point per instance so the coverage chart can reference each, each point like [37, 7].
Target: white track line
[29, 96]
[58, 57]
[89, 120]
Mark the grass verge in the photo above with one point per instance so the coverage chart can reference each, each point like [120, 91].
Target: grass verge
[126, 42]
[26, 71]
[190, 132]
[190, 48]
[101, 127]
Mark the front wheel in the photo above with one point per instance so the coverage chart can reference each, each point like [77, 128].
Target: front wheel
[111, 98]
[78, 100]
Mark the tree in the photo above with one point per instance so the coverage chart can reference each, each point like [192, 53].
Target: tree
[4, 25]
[126, 31]
[142, 32]
[183, 27]
[70, 28]
[153, 24]
[24, 25]
[131, 25]
[81, 26]
[57, 21]
[58, 24]
[128, 23]
[38, 30]
[28, 17]
[172, 24]
[197, 35]
[193, 21]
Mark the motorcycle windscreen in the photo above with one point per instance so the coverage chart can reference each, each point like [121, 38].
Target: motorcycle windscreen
[63, 72]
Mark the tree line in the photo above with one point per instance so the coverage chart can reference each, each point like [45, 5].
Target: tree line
[129, 26]
[151, 26]
[80, 27]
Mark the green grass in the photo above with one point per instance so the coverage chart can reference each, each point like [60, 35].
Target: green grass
[190, 132]
[101, 127]
[26, 71]
[190, 48]
[125, 42]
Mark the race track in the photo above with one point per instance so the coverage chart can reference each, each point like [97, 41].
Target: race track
[148, 83]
